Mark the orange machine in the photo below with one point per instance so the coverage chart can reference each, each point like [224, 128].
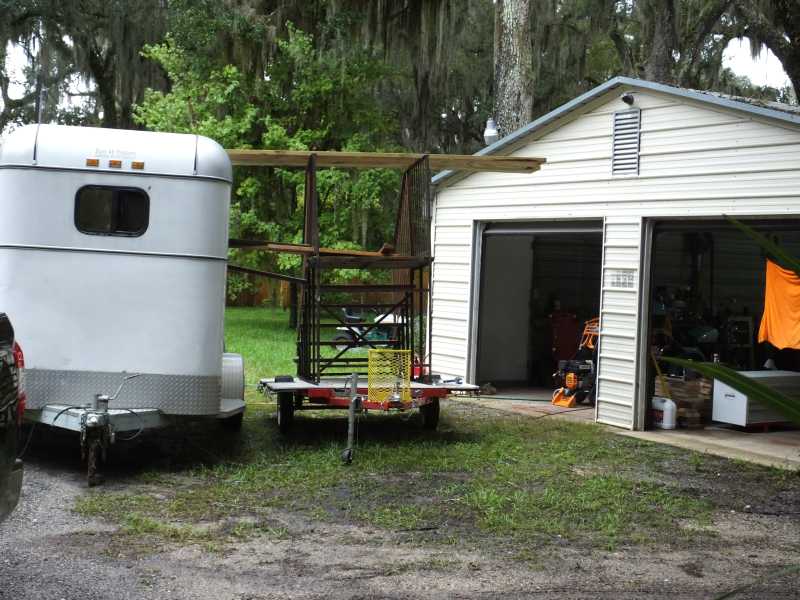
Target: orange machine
[577, 375]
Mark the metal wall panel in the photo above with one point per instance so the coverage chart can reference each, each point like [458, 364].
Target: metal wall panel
[619, 318]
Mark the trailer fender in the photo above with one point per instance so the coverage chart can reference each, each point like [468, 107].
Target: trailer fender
[232, 377]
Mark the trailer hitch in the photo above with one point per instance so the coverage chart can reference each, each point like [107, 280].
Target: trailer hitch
[97, 432]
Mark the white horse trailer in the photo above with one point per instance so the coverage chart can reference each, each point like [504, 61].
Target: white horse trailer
[113, 248]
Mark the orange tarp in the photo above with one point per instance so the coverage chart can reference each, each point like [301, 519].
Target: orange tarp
[780, 325]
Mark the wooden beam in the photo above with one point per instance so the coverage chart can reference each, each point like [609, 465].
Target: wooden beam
[372, 262]
[280, 276]
[384, 160]
[307, 249]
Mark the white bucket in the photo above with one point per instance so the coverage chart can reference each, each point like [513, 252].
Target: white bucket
[665, 413]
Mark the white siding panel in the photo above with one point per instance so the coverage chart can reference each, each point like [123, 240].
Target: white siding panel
[449, 236]
[451, 328]
[704, 161]
[445, 290]
[729, 182]
[452, 254]
[618, 322]
[618, 365]
[448, 366]
[450, 273]
[450, 309]
[616, 377]
[449, 347]
[737, 135]
[620, 303]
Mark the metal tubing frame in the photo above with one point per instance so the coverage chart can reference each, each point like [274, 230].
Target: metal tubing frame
[410, 296]
[410, 299]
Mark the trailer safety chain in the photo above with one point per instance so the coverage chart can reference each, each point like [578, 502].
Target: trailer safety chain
[61, 412]
[27, 442]
[141, 425]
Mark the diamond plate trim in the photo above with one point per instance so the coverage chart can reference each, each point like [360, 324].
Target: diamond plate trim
[171, 394]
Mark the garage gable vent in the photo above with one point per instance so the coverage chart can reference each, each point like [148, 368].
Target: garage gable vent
[625, 156]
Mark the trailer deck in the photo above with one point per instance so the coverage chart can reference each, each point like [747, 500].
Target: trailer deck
[334, 392]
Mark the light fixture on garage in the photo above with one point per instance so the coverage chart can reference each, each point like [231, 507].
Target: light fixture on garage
[490, 134]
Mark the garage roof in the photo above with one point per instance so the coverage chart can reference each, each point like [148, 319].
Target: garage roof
[785, 113]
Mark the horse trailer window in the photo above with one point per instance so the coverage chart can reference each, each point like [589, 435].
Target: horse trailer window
[105, 210]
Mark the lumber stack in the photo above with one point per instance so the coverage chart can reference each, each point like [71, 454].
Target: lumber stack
[692, 397]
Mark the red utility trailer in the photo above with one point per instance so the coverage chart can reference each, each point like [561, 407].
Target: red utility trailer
[378, 332]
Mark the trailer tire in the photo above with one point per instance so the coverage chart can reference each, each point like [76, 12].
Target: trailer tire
[285, 412]
[429, 414]
[233, 423]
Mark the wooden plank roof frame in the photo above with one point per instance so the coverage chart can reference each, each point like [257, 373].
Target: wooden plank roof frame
[383, 160]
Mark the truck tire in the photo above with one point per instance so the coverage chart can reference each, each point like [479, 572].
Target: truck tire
[429, 414]
[285, 412]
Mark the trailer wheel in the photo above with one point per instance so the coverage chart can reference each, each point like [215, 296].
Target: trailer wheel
[285, 412]
[233, 423]
[429, 413]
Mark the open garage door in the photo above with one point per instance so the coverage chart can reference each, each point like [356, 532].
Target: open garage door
[539, 282]
[707, 300]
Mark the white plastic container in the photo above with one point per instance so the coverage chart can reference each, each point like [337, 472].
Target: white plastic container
[665, 413]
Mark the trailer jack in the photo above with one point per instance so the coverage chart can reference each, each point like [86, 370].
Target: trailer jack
[355, 405]
[97, 433]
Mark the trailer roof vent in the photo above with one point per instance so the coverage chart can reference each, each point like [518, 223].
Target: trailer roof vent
[625, 156]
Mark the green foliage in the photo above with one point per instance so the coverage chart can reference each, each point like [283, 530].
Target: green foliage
[303, 100]
[216, 106]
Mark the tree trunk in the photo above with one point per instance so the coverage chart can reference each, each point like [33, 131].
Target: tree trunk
[778, 30]
[513, 65]
[364, 226]
[792, 67]
[790, 10]
[660, 61]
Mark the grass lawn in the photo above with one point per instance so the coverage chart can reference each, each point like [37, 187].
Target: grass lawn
[262, 336]
[482, 478]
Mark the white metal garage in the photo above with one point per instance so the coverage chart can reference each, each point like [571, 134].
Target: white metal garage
[665, 153]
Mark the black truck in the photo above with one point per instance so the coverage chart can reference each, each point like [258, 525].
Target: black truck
[12, 406]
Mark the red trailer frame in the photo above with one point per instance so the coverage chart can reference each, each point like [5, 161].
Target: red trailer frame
[295, 394]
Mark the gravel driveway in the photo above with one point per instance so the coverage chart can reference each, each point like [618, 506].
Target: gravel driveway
[49, 552]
